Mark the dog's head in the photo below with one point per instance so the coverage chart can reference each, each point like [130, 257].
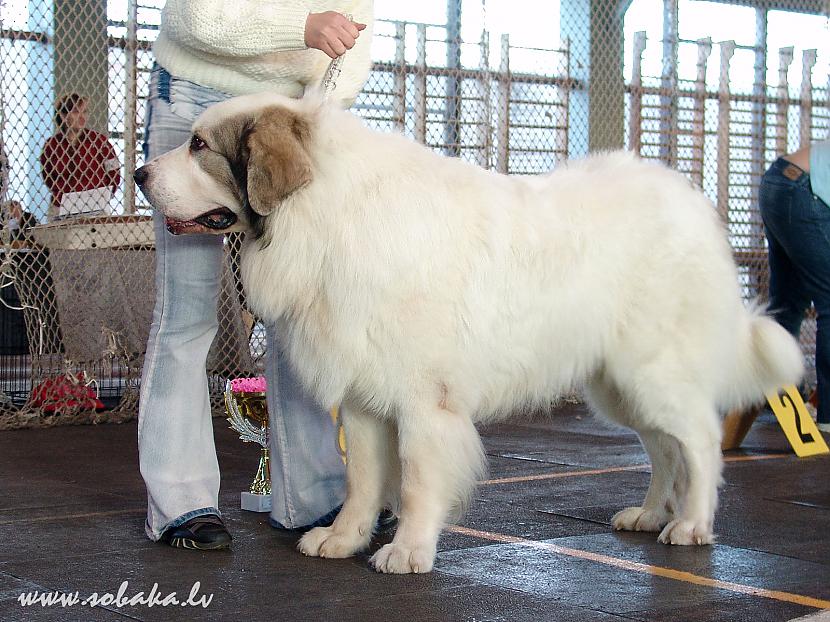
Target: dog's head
[245, 156]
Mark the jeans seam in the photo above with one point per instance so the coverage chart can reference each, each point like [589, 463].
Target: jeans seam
[283, 447]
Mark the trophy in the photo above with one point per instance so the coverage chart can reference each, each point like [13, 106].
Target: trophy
[248, 415]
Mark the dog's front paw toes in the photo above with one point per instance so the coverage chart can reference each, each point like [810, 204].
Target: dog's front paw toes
[400, 559]
[326, 542]
[639, 519]
[685, 533]
[313, 539]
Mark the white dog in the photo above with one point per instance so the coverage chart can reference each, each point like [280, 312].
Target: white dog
[426, 295]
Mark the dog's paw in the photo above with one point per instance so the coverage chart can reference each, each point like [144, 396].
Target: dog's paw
[639, 519]
[686, 533]
[399, 559]
[326, 542]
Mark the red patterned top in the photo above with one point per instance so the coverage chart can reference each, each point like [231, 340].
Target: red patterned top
[88, 163]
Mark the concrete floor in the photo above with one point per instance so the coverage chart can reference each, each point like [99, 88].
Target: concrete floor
[535, 547]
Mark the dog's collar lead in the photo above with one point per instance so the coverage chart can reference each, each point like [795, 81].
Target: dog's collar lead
[333, 71]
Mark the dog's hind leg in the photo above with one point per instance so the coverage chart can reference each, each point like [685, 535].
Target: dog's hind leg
[441, 461]
[699, 440]
[663, 452]
[666, 485]
[370, 450]
[680, 430]
[693, 424]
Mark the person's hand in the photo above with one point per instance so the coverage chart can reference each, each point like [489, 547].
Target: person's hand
[331, 32]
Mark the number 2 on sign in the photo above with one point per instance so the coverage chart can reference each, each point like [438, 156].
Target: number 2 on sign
[796, 422]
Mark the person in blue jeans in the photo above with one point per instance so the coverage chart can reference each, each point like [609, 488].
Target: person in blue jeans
[207, 51]
[794, 197]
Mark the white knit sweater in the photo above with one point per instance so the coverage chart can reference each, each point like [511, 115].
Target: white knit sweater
[248, 46]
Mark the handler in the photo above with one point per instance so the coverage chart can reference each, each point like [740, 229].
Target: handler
[207, 51]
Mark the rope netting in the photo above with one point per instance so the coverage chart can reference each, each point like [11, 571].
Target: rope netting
[716, 89]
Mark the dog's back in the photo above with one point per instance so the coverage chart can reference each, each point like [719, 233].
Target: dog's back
[510, 291]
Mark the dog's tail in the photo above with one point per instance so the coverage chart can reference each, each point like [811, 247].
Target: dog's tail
[768, 358]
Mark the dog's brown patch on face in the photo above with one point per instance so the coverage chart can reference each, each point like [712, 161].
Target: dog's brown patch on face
[278, 161]
[224, 140]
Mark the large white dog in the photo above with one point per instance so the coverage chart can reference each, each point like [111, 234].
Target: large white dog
[426, 295]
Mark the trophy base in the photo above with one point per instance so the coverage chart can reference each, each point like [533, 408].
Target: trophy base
[256, 503]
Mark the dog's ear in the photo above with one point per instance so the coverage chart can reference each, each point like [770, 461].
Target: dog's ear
[278, 159]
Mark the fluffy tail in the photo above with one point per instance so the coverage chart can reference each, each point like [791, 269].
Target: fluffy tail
[768, 359]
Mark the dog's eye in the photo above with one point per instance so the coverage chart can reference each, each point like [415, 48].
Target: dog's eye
[197, 144]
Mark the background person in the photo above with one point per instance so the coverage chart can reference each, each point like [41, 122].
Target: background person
[207, 51]
[794, 197]
[77, 158]
[18, 220]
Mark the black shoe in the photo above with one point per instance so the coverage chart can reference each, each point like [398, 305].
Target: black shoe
[203, 533]
[387, 522]
[324, 521]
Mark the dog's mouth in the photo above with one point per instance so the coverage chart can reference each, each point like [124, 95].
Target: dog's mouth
[215, 220]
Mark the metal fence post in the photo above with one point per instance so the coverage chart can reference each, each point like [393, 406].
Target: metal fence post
[758, 281]
[452, 110]
[561, 135]
[806, 116]
[785, 59]
[484, 130]
[668, 83]
[503, 115]
[635, 129]
[420, 86]
[131, 105]
[704, 50]
[759, 109]
[399, 96]
[727, 50]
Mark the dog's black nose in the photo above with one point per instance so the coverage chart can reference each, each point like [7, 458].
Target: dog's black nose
[141, 175]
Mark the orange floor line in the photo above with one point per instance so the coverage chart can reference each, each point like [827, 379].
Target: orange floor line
[632, 467]
[659, 571]
[542, 476]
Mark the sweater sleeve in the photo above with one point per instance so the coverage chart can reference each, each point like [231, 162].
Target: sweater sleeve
[243, 28]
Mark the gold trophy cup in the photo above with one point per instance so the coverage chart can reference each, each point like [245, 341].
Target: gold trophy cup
[248, 415]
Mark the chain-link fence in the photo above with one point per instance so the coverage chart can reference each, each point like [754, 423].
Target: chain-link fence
[510, 87]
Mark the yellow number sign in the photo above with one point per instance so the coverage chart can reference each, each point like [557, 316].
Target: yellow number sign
[796, 422]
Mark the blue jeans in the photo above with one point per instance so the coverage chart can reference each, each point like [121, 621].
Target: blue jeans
[797, 225]
[175, 432]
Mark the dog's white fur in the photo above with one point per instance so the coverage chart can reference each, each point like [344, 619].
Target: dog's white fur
[425, 295]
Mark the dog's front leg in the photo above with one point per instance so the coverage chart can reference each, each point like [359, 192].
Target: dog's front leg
[441, 460]
[369, 449]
